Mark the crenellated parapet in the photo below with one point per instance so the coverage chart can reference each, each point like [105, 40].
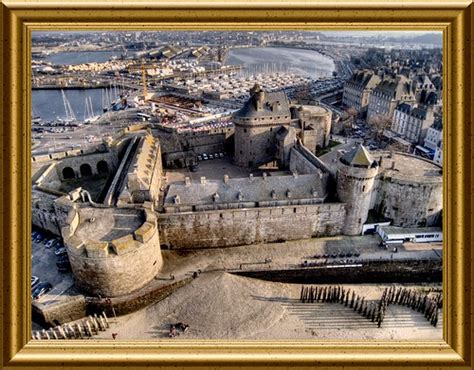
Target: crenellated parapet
[114, 264]
[144, 172]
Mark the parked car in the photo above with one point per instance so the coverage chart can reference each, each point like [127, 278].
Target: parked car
[41, 290]
[38, 238]
[63, 266]
[34, 282]
[62, 258]
[60, 252]
[50, 243]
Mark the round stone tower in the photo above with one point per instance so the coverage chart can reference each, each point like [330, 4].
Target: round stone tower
[355, 181]
[256, 126]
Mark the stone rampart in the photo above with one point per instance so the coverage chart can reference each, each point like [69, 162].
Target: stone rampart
[410, 203]
[226, 228]
[144, 173]
[87, 165]
[120, 266]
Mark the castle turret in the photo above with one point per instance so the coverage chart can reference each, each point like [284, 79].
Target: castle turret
[256, 127]
[355, 181]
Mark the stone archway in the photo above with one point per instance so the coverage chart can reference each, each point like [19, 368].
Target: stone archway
[85, 170]
[68, 173]
[102, 167]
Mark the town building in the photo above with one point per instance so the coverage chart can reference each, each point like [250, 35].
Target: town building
[357, 90]
[386, 96]
[412, 122]
[434, 135]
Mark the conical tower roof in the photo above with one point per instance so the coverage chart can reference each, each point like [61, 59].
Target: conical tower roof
[358, 157]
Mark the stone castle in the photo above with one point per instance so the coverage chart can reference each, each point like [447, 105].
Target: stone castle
[114, 232]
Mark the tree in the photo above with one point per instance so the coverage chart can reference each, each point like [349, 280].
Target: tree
[379, 124]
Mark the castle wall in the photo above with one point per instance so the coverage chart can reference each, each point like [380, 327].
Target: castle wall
[226, 228]
[303, 161]
[211, 141]
[43, 215]
[53, 213]
[410, 203]
[354, 187]
[144, 173]
[48, 177]
[255, 145]
[91, 159]
[316, 124]
[117, 267]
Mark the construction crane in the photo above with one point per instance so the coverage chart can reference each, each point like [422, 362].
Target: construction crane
[143, 68]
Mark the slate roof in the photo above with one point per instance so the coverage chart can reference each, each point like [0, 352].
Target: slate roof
[365, 79]
[395, 88]
[417, 112]
[270, 101]
[358, 157]
[269, 188]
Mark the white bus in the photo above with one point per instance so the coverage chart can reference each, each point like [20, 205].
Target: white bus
[394, 235]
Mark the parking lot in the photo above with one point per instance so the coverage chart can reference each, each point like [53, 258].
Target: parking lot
[43, 261]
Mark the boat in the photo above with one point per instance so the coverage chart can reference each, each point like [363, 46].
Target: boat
[89, 116]
[70, 115]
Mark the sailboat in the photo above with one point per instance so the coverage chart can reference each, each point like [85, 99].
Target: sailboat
[35, 118]
[70, 115]
[105, 100]
[89, 116]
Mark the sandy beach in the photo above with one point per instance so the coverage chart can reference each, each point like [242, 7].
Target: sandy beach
[220, 305]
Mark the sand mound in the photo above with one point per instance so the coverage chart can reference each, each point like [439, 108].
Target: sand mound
[209, 306]
[219, 305]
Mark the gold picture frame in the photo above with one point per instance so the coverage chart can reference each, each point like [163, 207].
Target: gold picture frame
[20, 18]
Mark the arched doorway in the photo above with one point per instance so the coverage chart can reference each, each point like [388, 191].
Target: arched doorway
[85, 170]
[102, 167]
[68, 173]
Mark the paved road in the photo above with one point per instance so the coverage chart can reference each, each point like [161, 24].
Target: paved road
[107, 125]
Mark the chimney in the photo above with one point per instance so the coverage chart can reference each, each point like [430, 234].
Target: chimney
[264, 175]
[393, 165]
[288, 193]
[187, 181]
[380, 161]
[273, 194]
[251, 176]
[295, 174]
[226, 179]
[203, 180]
